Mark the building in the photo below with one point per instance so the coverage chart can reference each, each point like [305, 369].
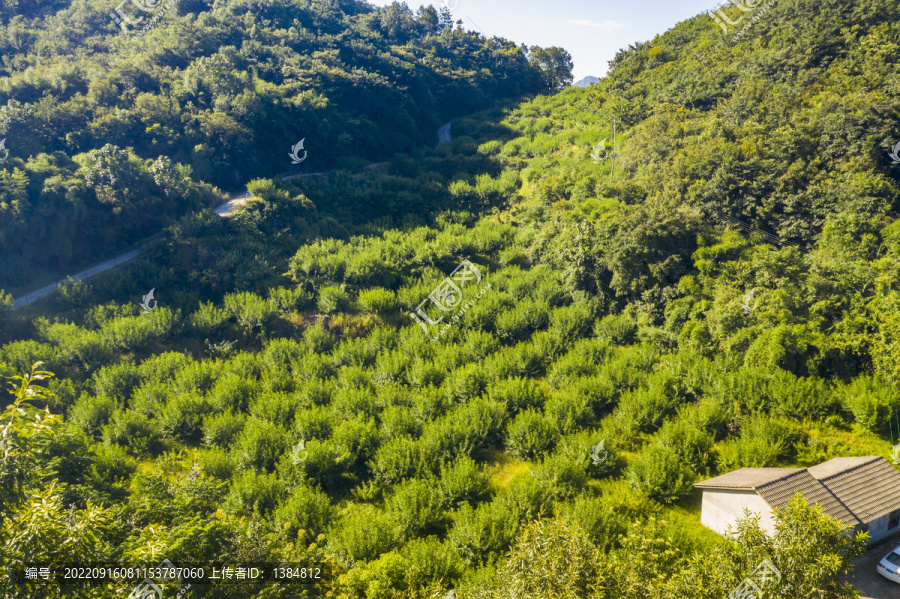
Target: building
[863, 492]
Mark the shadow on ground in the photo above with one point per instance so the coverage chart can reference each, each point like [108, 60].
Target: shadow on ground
[869, 583]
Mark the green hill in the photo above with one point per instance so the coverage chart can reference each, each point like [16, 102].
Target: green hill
[726, 297]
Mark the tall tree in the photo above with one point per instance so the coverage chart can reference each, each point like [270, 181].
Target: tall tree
[555, 65]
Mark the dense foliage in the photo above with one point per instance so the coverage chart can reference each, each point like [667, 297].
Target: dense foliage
[281, 403]
[110, 143]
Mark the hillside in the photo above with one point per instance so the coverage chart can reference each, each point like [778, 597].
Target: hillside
[726, 296]
[128, 132]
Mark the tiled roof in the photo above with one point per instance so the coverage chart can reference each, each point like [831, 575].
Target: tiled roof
[746, 478]
[852, 490]
[778, 492]
[868, 486]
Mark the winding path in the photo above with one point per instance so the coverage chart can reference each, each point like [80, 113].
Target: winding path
[225, 209]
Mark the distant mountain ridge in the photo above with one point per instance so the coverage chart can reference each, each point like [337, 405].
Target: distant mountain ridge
[587, 81]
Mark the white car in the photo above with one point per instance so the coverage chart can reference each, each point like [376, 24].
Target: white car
[889, 567]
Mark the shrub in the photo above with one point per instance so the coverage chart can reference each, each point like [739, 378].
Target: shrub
[306, 508]
[578, 447]
[430, 560]
[486, 531]
[357, 439]
[251, 491]
[232, 391]
[254, 314]
[378, 300]
[561, 477]
[568, 411]
[314, 423]
[134, 431]
[91, 413]
[688, 441]
[325, 463]
[660, 474]
[530, 434]
[208, 318]
[332, 299]
[397, 459]
[466, 383]
[260, 444]
[462, 480]
[318, 340]
[763, 442]
[565, 550]
[397, 421]
[116, 381]
[222, 429]
[163, 367]
[182, 416]
[871, 402]
[217, 463]
[618, 329]
[290, 299]
[361, 534]
[274, 407]
[111, 463]
[415, 509]
[518, 393]
[596, 517]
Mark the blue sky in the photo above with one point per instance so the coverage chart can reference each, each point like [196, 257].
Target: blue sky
[591, 30]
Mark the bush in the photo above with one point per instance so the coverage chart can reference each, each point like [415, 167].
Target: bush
[763, 442]
[378, 300]
[397, 459]
[578, 448]
[660, 474]
[134, 431]
[91, 413]
[222, 429]
[486, 531]
[530, 435]
[415, 509]
[596, 517]
[116, 381]
[217, 463]
[291, 299]
[568, 411]
[208, 318]
[318, 340]
[690, 443]
[430, 561]
[260, 444]
[182, 416]
[564, 549]
[618, 329]
[462, 480]
[324, 463]
[361, 535]
[332, 299]
[111, 464]
[518, 393]
[251, 492]
[871, 402]
[306, 508]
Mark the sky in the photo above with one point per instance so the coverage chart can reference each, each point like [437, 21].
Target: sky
[591, 30]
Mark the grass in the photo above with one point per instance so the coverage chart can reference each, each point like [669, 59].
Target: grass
[503, 468]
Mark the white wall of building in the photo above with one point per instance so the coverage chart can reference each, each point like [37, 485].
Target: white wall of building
[722, 508]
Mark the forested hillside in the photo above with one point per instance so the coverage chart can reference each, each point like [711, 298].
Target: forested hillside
[725, 297]
[115, 140]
